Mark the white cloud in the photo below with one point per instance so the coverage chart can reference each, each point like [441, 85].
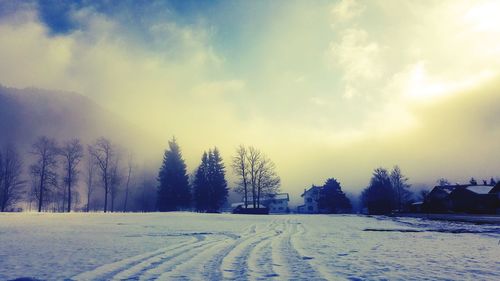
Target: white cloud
[357, 57]
[346, 10]
[287, 98]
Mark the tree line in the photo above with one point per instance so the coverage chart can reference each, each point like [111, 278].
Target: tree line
[208, 191]
[62, 175]
[55, 173]
[387, 191]
[67, 176]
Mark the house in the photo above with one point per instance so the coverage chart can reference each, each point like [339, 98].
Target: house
[416, 207]
[438, 200]
[496, 192]
[276, 203]
[311, 197]
[477, 199]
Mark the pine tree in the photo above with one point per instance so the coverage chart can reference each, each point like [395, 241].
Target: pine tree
[210, 186]
[332, 199]
[378, 196]
[217, 181]
[201, 185]
[173, 191]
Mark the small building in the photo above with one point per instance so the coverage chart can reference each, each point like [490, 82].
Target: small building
[469, 198]
[475, 199]
[311, 197]
[438, 200]
[416, 207]
[276, 203]
[496, 192]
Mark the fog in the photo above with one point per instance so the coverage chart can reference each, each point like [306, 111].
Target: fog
[324, 89]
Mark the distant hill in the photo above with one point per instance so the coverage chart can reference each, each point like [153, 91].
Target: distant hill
[28, 113]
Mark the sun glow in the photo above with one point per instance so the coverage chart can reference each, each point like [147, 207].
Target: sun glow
[484, 17]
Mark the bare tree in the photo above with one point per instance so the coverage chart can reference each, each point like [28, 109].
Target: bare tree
[103, 153]
[268, 182]
[400, 186]
[240, 168]
[255, 171]
[115, 181]
[44, 169]
[10, 177]
[72, 152]
[1, 178]
[129, 174]
[89, 178]
[254, 158]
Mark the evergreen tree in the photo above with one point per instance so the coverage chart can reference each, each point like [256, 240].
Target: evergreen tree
[210, 186]
[473, 181]
[173, 191]
[332, 199]
[201, 185]
[493, 181]
[378, 196]
[217, 181]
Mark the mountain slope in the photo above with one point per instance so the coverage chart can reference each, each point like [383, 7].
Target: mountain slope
[28, 113]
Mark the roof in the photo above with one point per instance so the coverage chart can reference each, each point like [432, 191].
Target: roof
[280, 196]
[264, 197]
[449, 188]
[496, 188]
[312, 188]
[480, 189]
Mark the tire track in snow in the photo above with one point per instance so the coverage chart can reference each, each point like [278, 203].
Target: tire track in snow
[147, 266]
[212, 270]
[296, 241]
[107, 271]
[260, 260]
[235, 260]
[201, 266]
[260, 253]
[138, 271]
[289, 263]
[162, 268]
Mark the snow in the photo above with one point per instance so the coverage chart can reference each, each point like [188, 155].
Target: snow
[190, 246]
[480, 189]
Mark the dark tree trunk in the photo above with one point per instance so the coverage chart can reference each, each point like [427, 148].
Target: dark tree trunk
[42, 179]
[88, 202]
[105, 196]
[69, 197]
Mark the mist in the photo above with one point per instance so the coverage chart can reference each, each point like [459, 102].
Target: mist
[338, 103]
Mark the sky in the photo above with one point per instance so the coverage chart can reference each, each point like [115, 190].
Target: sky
[324, 88]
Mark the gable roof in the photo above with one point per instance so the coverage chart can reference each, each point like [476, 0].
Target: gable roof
[446, 188]
[496, 188]
[280, 196]
[311, 189]
[480, 189]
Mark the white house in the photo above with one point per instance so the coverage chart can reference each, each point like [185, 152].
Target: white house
[311, 197]
[277, 203]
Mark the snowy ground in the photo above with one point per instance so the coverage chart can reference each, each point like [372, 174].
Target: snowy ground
[188, 246]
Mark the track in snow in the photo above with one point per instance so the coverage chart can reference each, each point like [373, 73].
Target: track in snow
[261, 252]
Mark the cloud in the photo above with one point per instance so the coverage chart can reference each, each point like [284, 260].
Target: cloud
[324, 90]
[346, 10]
[357, 57]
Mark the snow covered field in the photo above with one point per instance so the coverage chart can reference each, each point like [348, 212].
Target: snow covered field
[189, 246]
